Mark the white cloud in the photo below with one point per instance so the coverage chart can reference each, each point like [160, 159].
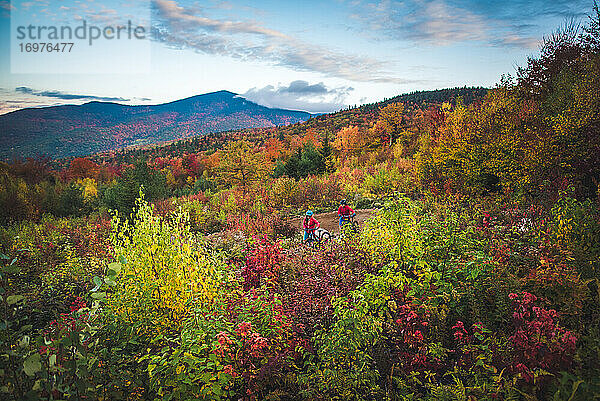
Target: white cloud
[300, 95]
[511, 23]
[249, 40]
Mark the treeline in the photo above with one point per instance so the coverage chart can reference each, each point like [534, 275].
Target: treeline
[30, 188]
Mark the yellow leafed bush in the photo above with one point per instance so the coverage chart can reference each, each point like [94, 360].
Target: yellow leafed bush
[165, 270]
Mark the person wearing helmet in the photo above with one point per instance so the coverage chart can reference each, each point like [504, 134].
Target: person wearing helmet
[344, 212]
[310, 225]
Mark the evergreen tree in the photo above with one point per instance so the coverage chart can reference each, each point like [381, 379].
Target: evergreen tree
[123, 194]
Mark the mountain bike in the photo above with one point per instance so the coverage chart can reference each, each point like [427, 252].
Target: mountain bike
[318, 237]
[350, 224]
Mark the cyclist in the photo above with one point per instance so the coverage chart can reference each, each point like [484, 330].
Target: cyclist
[310, 225]
[345, 212]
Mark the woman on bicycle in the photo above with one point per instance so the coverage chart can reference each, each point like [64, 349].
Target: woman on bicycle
[310, 225]
[344, 213]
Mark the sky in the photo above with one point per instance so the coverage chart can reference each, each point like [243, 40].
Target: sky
[317, 56]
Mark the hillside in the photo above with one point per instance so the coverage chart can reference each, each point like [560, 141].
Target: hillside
[361, 116]
[73, 130]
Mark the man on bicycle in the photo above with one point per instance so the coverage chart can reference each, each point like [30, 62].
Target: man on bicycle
[344, 213]
[310, 225]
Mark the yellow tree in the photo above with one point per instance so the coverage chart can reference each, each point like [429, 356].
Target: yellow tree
[240, 164]
[347, 141]
[391, 118]
[89, 188]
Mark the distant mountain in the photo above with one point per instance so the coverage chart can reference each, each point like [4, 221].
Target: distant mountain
[74, 130]
[359, 116]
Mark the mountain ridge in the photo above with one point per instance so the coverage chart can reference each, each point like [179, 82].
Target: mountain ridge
[96, 126]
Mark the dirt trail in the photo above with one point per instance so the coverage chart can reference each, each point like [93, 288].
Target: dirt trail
[329, 221]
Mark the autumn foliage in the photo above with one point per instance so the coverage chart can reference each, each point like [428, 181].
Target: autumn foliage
[178, 272]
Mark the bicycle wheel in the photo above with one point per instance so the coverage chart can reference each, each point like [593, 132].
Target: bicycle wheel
[325, 237]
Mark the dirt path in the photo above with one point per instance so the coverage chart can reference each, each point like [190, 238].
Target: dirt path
[329, 221]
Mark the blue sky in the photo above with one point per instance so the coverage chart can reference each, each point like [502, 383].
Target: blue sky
[310, 55]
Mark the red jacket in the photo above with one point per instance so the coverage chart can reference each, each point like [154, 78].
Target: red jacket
[345, 210]
[311, 224]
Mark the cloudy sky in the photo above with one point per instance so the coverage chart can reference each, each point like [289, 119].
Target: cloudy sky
[309, 55]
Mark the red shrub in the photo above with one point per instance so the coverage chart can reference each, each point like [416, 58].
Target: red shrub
[538, 342]
[263, 263]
